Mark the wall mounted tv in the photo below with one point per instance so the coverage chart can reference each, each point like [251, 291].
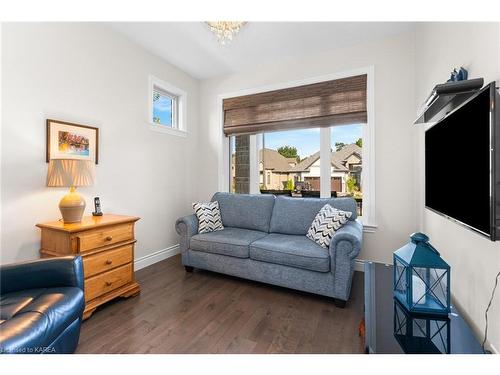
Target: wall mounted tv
[462, 164]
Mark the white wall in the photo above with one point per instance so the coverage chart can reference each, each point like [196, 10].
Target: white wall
[393, 60]
[474, 260]
[86, 73]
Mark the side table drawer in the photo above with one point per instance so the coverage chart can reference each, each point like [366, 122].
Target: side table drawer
[92, 239]
[107, 260]
[108, 281]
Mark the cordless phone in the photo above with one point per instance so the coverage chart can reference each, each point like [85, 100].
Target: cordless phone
[97, 204]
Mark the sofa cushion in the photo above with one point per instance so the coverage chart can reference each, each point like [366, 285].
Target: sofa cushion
[229, 241]
[291, 250]
[326, 223]
[36, 317]
[245, 210]
[295, 215]
[208, 215]
[14, 302]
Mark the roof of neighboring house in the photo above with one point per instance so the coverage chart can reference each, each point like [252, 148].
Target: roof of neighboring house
[337, 158]
[306, 163]
[275, 161]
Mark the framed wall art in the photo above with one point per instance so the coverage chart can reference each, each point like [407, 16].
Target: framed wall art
[66, 140]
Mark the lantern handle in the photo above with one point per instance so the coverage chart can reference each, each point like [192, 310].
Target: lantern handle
[419, 237]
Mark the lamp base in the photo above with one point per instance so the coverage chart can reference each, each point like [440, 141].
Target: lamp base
[72, 206]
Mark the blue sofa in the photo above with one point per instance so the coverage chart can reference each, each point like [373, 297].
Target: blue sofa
[264, 240]
[41, 306]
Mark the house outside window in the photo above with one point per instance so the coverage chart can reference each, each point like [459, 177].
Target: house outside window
[167, 107]
[290, 163]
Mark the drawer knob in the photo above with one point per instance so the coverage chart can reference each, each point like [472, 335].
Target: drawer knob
[109, 261]
[108, 283]
[109, 238]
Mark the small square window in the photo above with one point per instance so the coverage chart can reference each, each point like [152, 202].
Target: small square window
[167, 107]
[164, 108]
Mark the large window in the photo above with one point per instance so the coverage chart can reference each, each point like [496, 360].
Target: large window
[167, 107]
[314, 140]
[290, 162]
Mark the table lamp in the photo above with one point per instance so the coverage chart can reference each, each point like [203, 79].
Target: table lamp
[71, 173]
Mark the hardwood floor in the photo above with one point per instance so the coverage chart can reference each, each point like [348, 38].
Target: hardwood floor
[205, 312]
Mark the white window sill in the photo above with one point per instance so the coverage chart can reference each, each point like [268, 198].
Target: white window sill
[166, 130]
[370, 228]
[367, 227]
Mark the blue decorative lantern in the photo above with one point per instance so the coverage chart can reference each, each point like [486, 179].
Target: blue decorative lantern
[421, 277]
[421, 334]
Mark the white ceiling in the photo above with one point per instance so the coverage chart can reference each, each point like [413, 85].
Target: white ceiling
[193, 48]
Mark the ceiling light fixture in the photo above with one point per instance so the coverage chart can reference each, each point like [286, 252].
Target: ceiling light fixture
[225, 30]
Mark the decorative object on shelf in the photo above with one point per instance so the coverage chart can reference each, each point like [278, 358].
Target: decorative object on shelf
[225, 30]
[460, 75]
[421, 277]
[66, 140]
[71, 173]
[97, 205]
[421, 334]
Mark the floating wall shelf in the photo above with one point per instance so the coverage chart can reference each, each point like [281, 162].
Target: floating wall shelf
[446, 97]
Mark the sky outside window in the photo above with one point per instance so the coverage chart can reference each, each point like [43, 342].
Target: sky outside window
[162, 109]
[346, 134]
[307, 141]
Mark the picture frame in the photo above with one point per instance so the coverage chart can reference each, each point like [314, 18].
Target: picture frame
[66, 140]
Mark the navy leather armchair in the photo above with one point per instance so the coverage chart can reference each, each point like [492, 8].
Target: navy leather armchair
[41, 306]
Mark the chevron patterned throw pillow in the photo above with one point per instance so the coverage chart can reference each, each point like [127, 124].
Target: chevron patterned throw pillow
[209, 219]
[326, 223]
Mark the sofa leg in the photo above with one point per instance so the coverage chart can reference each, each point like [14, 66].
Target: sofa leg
[339, 303]
[189, 269]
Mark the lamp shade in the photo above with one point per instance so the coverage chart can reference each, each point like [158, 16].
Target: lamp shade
[70, 172]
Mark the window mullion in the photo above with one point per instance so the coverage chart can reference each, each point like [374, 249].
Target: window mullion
[254, 165]
[325, 163]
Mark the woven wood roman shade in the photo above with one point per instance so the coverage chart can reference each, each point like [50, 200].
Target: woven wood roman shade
[337, 102]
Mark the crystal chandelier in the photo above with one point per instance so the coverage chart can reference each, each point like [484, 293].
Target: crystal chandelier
[225, 30]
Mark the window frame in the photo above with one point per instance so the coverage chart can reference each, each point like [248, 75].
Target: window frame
[179, 107]
[368, 151]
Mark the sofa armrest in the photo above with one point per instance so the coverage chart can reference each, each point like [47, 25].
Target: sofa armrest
[42, 273]
[344, 247]
[187, 225]
[352, 232]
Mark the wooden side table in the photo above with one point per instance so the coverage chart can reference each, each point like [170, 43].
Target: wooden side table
[106, 244]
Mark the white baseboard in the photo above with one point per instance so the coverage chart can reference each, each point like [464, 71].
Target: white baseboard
[156, 257]
[493, 349]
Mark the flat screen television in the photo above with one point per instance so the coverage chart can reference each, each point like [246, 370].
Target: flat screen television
[462, 164]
